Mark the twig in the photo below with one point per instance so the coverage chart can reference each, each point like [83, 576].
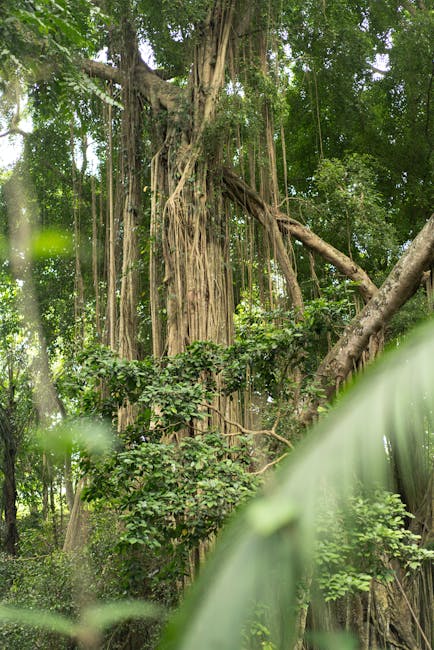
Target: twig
[251, 432]
[14, 131]
[270, 464]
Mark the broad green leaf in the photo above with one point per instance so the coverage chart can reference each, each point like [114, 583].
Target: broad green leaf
[254, 566]
[38, 618]
[93, 437]
[52, 242]
[100, 617]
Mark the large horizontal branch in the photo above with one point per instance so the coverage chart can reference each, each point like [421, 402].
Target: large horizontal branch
[14, 131]
[252, 203]
[400, 285]
[156, 92]
[102, 71]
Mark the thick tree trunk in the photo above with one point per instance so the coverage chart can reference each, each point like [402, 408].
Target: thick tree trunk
[188, 224]
[190, 230]
[197, 267]
[189, 219]
[132, 126]
[76, 532]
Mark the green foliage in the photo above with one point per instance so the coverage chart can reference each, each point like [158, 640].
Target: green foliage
[47, 598]
[269, 345]
[172, 497]
[39, 583]
[172, 29]
[35, 35]
[337, 105]
[347, 210]
[270, 546]
[272, 344]
[354, 210]
[357, 544]
[90, 437]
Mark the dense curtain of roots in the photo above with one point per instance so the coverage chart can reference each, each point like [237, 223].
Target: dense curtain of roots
[189, 222]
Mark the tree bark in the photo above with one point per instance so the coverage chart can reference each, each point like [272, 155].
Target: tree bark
[250, 201]
[9, 484]
[188, 216]
[131, 211]
[95, 269]
[111, 312]
[76, 531]
[69, 487]
[400, 285]
[131, 139]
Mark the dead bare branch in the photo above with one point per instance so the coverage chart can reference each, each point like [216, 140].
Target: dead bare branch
[250, 432]
[270, 464]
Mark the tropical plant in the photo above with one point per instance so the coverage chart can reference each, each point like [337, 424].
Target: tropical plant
[200, 179]
[266, 555]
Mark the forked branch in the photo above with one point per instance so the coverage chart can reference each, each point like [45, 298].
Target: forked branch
[270, 464]
[241, 430]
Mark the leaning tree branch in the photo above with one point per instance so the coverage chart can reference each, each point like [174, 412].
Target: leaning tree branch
[271, 226]
[156, 91]
[14, 131]
[250, 201]
[400, 285]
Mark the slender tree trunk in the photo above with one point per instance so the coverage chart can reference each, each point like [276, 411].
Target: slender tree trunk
[53, 514]
[95, 267]
[45, 484]
[9, 483]
[69, 487]
[111, 234]
[78, 276]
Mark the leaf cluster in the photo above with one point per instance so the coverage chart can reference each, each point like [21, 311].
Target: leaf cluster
[358, 543]
[173, 497]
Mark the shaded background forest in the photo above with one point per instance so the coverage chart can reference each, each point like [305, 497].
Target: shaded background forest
[208, 197]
